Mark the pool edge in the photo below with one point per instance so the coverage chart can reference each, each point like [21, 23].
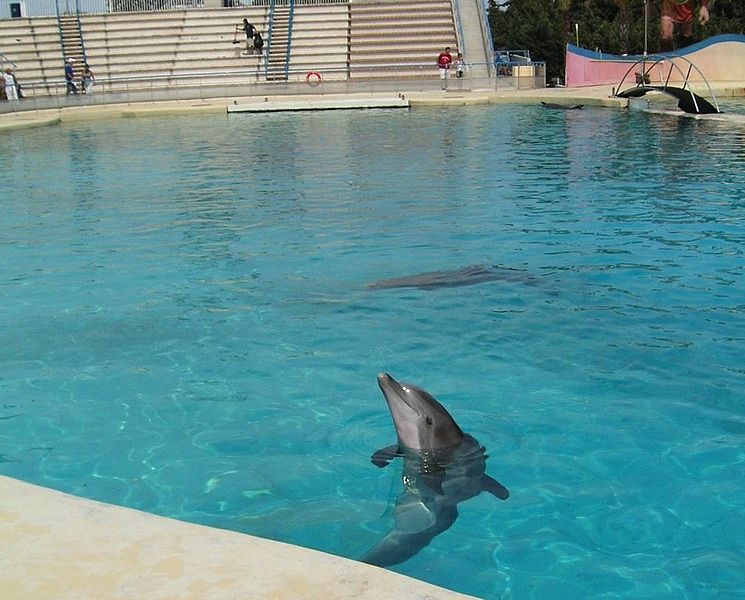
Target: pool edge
[54, 545]
[591, 95]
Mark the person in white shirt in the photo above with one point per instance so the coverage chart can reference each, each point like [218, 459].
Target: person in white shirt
[11, 91]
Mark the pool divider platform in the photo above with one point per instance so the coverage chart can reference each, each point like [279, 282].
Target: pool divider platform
[318, 104]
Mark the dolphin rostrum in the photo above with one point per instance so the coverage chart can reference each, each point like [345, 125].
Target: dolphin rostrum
[442, 467]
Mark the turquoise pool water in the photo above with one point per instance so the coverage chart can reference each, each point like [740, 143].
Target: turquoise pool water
[185, 329]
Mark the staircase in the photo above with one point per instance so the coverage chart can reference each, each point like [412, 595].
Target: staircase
[405, 36]
[71, 37]
[278, 48]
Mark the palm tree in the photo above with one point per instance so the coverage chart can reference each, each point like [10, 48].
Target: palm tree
[624, 23]
[565, 8]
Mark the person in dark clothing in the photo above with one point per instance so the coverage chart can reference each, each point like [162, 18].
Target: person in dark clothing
[249, 31]
[258, 42]
[70, 77]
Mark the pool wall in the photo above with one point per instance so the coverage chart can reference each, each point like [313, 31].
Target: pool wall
[721, 59]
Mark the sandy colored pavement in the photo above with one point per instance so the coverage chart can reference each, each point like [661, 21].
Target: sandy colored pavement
[589, 96]
[54, 546]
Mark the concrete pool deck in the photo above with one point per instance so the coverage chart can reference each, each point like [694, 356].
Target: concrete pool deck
[599, 96]
[57, 546]
[589, 96]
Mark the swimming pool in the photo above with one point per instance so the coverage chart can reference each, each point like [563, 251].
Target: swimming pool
[186, 330]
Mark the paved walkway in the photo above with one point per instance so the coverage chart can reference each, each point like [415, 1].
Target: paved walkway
[589, 96]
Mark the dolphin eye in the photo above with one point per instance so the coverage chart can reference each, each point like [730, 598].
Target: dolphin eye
[428, 420]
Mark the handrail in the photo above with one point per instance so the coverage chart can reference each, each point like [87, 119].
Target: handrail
[4, 59]
[486, 35]
[270, 27]
[46, 8]
[430, 66]
[80, 31]
[455, 4]
[401, 77]
[59, 30]
[289, 37]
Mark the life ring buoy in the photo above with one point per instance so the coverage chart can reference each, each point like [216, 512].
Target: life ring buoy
[313, 78]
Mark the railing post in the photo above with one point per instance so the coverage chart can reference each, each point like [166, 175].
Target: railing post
[289, 37]
[268, 48]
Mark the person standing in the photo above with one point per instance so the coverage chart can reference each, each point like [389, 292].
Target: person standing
[11, 90]
[679, 13]
[88, 79]
[70, 77]
[249, 31]
[444, 60]
[460, 66]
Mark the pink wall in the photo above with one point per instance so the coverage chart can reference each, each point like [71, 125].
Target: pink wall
[720, 59]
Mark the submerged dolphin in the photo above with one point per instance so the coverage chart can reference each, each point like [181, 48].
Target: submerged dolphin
[469, 275]
[555, 106]
[442, 467]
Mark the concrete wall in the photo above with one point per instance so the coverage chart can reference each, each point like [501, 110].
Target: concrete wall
[361, 38]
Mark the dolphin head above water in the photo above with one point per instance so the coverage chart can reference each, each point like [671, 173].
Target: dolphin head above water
[421, 422]
[442, 467]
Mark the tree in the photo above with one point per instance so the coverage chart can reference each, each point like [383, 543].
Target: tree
[614, 26]
[534, 25]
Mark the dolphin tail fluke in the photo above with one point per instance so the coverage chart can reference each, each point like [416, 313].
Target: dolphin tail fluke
[394, 548]
[398, 545]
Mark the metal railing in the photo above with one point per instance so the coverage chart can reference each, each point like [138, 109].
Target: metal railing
[405, 77]
[291, 18]
[6, 62]
[269, 36]
[48, 8]
[79, 31]
[455, 4]
[486, 34]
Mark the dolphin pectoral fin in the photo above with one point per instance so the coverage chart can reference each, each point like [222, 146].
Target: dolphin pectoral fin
[491, 485]
[382, 458]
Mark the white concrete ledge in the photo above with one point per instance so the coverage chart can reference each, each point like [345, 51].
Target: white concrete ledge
[56, 546]
[319, 104]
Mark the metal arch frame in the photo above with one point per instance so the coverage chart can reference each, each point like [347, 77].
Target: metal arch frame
[660, 59]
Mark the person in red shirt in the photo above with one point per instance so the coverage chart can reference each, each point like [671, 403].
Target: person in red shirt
[444, 60]
[680, 13]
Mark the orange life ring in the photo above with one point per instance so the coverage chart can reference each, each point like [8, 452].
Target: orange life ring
[313, 78]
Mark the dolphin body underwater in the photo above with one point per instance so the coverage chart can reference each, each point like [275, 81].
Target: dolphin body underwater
[442, 467]
[470, 275]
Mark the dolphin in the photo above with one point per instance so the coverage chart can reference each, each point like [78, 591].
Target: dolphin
[555, 106]
[442, 467]
[469, 275]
